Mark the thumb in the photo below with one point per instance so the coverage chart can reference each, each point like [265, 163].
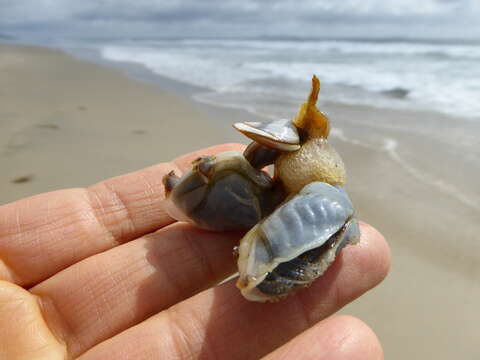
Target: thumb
[24, 334]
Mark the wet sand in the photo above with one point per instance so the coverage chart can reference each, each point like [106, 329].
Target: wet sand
[67, 123]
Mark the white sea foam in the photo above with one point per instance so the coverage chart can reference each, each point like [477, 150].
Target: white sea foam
[270, 78]
[339, 134]
[437, 77]
[343, 47]
[391, 146]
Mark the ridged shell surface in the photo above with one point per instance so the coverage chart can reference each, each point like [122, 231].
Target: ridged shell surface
[302, 223]
[231, 196]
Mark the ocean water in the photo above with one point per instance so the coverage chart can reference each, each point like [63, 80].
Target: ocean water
[437, 144]
[441, 77]
[272, 77]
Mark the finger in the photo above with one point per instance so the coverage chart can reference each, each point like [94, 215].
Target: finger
[109, 292]
[220, 323]
[335, 338]
[23, 331]
[44, 234]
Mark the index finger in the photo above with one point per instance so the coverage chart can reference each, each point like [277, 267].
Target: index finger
[43, 234]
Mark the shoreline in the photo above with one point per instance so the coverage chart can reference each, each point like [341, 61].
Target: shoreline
[397, 132]
[86, 122]
[67, 122]
[392, 132]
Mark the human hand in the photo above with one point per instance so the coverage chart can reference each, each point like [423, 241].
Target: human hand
[105, 273]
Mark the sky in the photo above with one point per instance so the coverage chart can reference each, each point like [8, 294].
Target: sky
[241, 18]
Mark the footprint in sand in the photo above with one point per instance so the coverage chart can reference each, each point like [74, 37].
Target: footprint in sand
[18, 141]
[48, 126]
[139, 132]
[23, 139]
[22, 179]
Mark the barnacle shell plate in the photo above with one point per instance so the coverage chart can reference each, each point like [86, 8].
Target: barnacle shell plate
[304, 222]
[222, 192]
[279, 135]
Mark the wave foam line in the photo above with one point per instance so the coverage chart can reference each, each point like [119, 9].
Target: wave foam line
[390, 146]
[339, 134]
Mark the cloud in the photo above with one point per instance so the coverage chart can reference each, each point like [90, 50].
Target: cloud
[237, 18]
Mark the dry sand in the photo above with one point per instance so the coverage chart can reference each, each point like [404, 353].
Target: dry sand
[66, 123]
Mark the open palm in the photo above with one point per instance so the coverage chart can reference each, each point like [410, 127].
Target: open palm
[105, 273]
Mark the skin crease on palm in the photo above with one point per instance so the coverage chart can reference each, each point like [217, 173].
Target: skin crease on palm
[105, 273]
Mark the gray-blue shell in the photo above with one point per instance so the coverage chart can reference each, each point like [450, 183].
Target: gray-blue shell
[223, 192]
[306, 221]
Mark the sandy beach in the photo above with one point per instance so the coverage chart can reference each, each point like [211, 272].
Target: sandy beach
[68, 123]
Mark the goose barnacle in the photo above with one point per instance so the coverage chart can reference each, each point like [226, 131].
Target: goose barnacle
[299, 220]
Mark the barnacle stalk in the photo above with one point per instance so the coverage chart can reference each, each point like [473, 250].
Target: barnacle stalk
[316, 160]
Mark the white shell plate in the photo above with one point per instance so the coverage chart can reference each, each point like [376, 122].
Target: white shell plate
[303, 223]
[278, 134]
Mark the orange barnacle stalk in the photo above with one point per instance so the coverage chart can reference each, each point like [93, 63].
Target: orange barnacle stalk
[311, 119]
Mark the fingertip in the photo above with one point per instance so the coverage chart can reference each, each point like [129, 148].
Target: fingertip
[228, 147]
[376, 251]
[6, 273]
[184, 161]
[339, 337]
[11, 292]
[24, 333]
[353, 339]
[359, 268]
